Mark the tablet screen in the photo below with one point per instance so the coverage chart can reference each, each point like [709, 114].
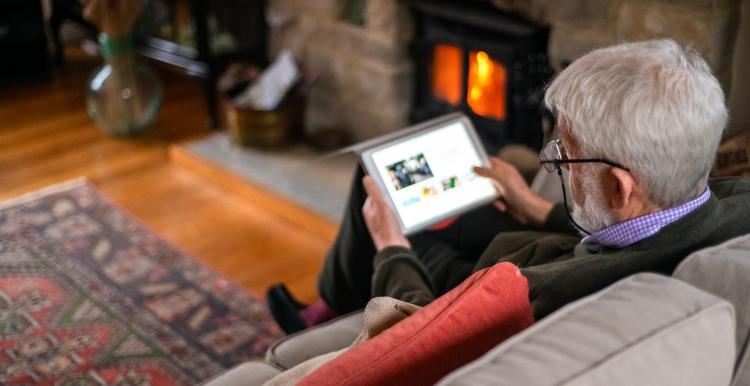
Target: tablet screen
[429, 176]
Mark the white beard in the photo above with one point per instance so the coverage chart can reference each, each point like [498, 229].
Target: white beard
[593, 215]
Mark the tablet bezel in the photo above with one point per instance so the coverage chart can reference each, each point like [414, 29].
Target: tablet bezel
[417, 131]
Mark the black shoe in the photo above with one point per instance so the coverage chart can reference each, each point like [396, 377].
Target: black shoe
[285, 309]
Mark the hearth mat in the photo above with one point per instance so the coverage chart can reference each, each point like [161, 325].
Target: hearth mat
[89, 296]
[296, 172]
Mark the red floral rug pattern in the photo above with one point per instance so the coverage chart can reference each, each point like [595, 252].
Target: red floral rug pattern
[88, 296]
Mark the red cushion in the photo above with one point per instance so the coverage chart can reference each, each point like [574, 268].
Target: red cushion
[455, 329]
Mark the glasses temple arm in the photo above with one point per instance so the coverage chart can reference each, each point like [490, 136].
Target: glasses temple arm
[565, 202]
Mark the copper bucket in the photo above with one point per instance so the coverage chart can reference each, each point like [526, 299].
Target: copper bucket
[267, 129]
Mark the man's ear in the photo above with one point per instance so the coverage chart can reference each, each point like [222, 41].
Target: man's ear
[622, 186]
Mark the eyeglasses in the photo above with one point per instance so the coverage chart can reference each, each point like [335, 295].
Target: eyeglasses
[553, 155]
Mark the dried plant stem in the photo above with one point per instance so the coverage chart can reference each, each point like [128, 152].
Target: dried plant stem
[113, 17]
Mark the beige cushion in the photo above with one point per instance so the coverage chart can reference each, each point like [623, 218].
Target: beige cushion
[334, 335]
[644, 330]
[724, 270]
[246, 374]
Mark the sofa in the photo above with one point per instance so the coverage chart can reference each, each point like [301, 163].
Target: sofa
[689, 329]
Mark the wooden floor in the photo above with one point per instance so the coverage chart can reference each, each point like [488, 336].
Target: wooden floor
[46, 137]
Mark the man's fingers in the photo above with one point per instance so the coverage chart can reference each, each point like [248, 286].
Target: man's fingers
[500, 205]
[368, 211]
[499, 187]
[494, 161]
[373, 191]
[370, 187]
[499, 166]
[367, 207]
[481, 170]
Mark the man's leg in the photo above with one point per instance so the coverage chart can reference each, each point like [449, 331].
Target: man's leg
[344, 281]
[449, 254]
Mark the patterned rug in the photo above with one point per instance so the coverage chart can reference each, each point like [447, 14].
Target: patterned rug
[88, 296]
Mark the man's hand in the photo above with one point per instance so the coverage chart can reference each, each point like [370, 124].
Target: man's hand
[516, 197]
[380, 220]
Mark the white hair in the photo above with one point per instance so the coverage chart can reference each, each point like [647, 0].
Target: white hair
[653, 106]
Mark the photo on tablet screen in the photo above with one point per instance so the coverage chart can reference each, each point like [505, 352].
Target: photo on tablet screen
[409, 171]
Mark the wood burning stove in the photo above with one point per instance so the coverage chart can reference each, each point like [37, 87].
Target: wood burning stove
[492, 65]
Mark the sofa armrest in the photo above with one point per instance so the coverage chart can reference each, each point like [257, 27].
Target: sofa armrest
[724, 270]
[644, 330]
[334, 335]
[245, 374]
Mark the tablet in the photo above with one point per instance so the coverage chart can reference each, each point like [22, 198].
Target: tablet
[426, 174]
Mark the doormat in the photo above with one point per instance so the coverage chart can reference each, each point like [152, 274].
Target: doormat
[89, 296]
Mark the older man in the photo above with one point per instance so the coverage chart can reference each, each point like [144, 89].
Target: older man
[639, 126]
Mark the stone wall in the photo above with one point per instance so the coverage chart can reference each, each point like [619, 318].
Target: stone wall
[365, 84]
[578, 26]
[739, 97]
[365, 81]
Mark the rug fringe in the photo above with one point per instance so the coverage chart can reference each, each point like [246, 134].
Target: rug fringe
[52, 189]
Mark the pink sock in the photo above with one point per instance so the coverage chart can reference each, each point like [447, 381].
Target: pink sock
[317, 313]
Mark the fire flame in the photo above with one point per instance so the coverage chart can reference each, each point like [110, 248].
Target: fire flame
[486, 83]
[486, 95]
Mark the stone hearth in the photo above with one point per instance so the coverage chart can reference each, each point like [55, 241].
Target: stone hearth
[296, 173]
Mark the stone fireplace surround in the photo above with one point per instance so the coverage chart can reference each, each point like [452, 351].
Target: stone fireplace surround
[365, 84]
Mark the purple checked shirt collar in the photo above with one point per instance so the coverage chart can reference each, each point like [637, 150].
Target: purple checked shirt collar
[634, 230]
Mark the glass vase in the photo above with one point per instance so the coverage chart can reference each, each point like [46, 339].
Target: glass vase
[123, 95]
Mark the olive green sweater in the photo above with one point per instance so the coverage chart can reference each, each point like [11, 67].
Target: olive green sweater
[560, 269]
